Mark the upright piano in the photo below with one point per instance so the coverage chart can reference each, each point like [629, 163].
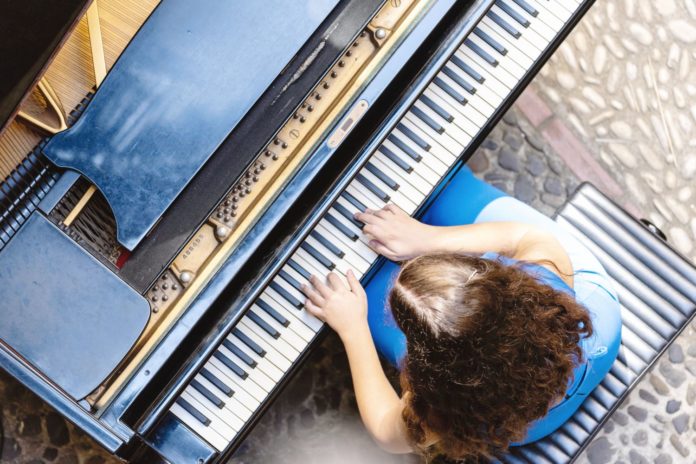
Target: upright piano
[153, 247]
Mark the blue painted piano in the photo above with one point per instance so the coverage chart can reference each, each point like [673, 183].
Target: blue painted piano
[151, 284]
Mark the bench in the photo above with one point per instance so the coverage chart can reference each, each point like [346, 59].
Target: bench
[657, 290]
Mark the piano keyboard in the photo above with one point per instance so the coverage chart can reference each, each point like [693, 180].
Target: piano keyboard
[275, 330]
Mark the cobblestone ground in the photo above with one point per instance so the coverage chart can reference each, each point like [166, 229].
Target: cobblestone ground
[625, 81]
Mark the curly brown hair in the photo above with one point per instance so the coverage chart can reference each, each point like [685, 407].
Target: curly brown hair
[489, 350]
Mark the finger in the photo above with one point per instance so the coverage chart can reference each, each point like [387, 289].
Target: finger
[368, 217]
[391, 207]
[315, 297]
[320, 286]
[381, 249]
[372, 230]
[314, 310]
[384, 213]
[354, 283]
[335, 282]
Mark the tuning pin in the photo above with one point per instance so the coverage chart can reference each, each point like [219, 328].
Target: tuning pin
[222, 232]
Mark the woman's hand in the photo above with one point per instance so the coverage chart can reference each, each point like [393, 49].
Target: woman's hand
[343, 307]
[396, 235]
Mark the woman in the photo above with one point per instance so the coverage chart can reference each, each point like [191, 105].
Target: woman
[500, 322]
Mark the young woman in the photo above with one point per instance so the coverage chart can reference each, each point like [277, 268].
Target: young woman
[500, 322]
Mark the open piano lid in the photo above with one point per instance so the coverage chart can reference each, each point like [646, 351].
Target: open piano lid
[186, 79]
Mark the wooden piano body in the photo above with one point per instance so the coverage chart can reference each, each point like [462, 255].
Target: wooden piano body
[177, 329]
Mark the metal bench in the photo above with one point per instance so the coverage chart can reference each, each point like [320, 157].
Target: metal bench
[657, 290]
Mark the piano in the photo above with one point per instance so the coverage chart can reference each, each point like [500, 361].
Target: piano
[152, 250]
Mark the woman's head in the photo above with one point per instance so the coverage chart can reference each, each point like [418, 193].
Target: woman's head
[489, 351]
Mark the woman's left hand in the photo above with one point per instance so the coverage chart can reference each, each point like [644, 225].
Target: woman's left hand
[343, 307]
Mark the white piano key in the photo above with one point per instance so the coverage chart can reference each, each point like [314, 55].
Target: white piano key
[296, 316]
[208, 434]
[395, 197]
[476, 110]
[413, 178]
[447, 153]
[350, 226]
[312, 265]
[535, 24]
[553, 16]
[253, 374]
[413, 191]
[242, 384]
[488, 96]
[528, 48]
[241, 410]
[434, 167]
[520, 55]
[263, 363]
[461, 137]
[530, 34]
[460, 113]
[504, 61]
[342, 266]
[491, 73]
[222, 419]
[286, 334]
[358, 248]
[247, 399]
[569, 5]
[273, 354]
[283, 347]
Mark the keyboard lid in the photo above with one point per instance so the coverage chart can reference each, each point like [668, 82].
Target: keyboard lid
[182, 85]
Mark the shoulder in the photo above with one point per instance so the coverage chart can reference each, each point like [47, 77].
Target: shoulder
[543, 248]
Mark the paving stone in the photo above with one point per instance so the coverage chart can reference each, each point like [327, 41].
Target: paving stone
[513, 141]
[509, 160]
[525, 190]
[691, 351]
[691, 366]
[673, 406]
[535, 165]
[691, 394]
[637, 458]
[29, 426]
[676, 354]
[57, 429]
[678, 445]
[600, 451]
[681, 423]
[674, 377]
[638, 413]
[620, 418]
[663, 459]
[50, 454]
[659, 385]
[553, 185]
[640, 438]
[647, 396]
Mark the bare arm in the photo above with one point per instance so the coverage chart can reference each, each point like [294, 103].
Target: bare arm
[398, 237]
[344, 308]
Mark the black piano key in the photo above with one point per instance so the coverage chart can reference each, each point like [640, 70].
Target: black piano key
[353, 201]
[414, 137]
[381, 175]
[327, 244]
[404, 166]
[372, 187]
[341, 227]
[316, 254]
[471, 72]
[461, 82]
[481, 52]
[200, 388]
[268, 309]
[285, 294]
[248, 360]
[231, 365]
[199, 416]
[491, 41]
[219, 384]
[443, 113]
[290, 279]
[507, 27]
[302, 271]
[249, 342]
[512, 13]
[458, 97]
[263, 324]
[427, 120]
[403, 146]
[527, 7]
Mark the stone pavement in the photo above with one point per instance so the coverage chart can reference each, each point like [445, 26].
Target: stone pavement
[615, 106]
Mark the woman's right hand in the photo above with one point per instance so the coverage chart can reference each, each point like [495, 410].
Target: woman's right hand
[396, 235]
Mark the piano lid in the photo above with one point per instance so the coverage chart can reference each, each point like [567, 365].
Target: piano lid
[184, 82]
